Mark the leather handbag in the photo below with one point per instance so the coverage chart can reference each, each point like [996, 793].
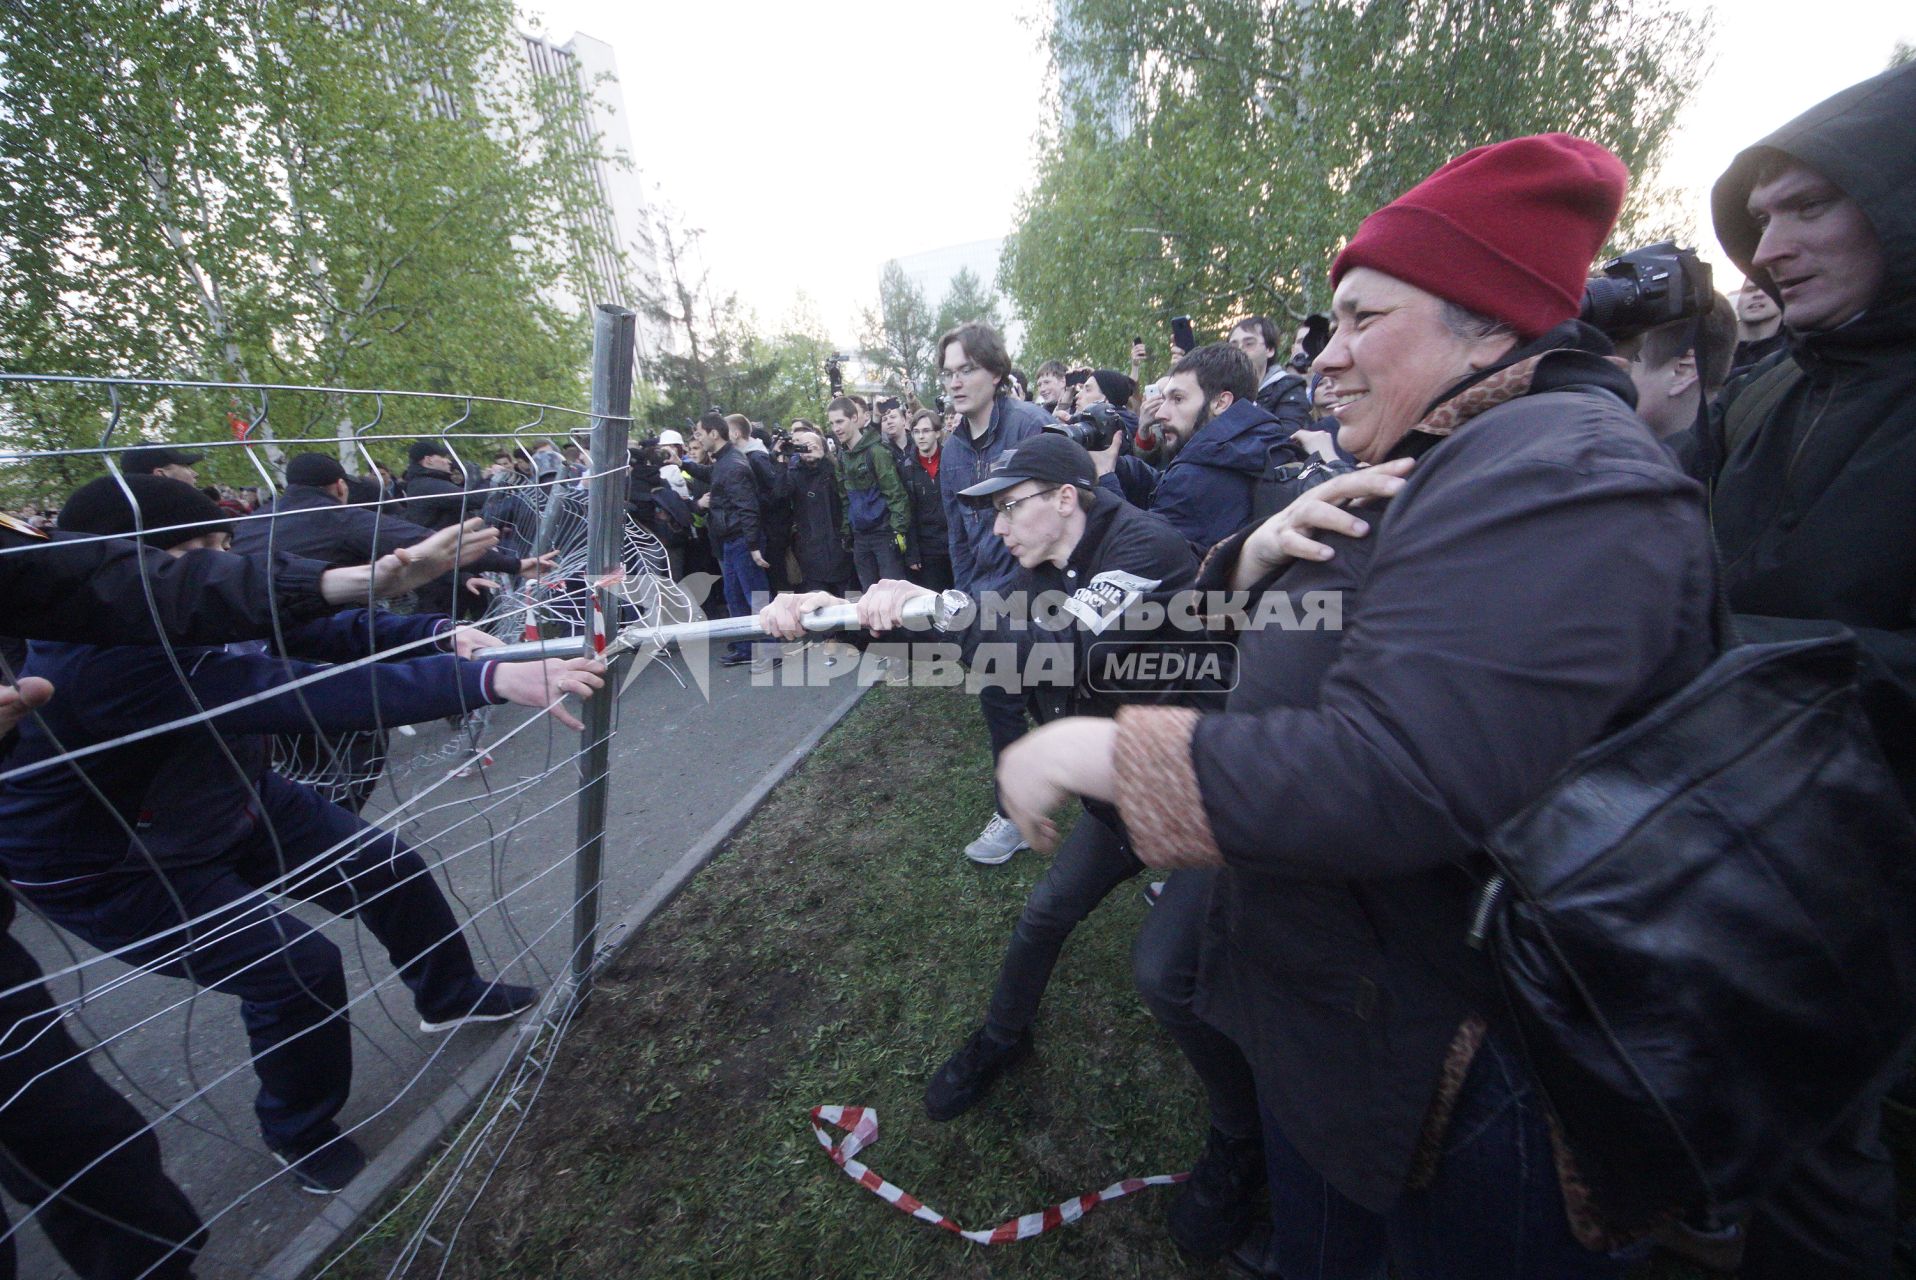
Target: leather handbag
[1705, 929]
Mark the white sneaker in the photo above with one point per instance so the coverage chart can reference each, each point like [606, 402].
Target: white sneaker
[997, 842]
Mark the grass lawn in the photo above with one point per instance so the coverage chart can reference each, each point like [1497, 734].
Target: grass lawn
[836, 952]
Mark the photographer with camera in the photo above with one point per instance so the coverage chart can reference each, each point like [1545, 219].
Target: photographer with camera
[1678, 367]
[1209, 399]
[1098, 555]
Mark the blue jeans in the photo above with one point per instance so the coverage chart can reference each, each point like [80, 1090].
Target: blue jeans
[743, 580]
[1494, 1210]
[290, 981]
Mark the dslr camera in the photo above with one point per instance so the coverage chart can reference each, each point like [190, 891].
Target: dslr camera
[1094, 428]
[1647, 287]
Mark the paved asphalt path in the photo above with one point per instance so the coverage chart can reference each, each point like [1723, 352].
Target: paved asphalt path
[680, 760]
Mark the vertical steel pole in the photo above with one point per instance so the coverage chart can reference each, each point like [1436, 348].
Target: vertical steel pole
[614, 330]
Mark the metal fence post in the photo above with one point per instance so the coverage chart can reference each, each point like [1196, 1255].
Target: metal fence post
[613, 336]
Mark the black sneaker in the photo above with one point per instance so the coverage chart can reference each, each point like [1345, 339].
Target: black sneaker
[323, 1170]
[485, 1002]
[968, 1073]
[1216, 1208]
[734, 659]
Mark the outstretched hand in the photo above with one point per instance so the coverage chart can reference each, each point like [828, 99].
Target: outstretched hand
[544, 684]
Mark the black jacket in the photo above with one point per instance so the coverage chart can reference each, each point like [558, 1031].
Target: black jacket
[735, 510]
[434, 499]
[818, 517]
[1544, 573]
[1120, 544]
[310, 522]
[1286, 397]
[85, 589]
[1813, 507]
[930, 530]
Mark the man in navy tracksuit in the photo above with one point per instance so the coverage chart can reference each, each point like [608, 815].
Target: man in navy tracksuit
[168, 850]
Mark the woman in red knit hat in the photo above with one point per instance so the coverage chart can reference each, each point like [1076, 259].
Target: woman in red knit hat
[1527, 567]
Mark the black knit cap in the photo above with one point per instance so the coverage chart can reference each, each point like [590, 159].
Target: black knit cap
[423, 449]
[100, 506]
[315, 469]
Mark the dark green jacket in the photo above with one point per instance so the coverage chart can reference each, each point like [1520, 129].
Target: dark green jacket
[875, 493]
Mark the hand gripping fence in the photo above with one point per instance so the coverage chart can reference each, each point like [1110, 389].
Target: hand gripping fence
[860, 1126]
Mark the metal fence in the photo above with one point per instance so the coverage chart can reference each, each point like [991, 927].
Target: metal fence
[500, 807]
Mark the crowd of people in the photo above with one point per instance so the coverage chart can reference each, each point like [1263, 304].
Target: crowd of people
[1528, 510]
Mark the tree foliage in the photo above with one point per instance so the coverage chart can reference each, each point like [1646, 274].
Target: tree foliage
[899, 335]
[1218, 152]
[361, 194]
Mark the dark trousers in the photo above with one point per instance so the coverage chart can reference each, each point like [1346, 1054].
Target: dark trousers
[1164, 964]
[744, 582]
[875, 555]
[289, 979]
[1005, 723]
[1093, 860]
[1494, 1207]
[934, 571]
[76, 1153]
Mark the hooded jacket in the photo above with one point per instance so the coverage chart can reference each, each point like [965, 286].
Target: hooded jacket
[1812, 507]
[1207, 491]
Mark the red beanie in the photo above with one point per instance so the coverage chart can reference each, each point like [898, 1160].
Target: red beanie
[1509, 231]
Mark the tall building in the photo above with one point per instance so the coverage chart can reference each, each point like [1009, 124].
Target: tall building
[613, 208]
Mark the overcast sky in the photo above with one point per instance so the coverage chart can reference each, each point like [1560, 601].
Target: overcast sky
[773, 125]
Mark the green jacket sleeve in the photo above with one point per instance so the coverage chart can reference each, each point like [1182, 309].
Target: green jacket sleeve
[892, 485]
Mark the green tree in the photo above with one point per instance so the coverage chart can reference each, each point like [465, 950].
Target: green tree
[269, 190]
[1219, 151]
[899, 335]
[967, 299]
[712, 356]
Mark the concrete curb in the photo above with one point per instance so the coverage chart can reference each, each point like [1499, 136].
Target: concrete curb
[387, 1170]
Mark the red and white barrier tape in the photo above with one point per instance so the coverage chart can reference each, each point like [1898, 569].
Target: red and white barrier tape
[861, 1130]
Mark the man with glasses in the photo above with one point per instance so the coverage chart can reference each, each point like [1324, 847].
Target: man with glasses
[972, 367]
[1097, 554]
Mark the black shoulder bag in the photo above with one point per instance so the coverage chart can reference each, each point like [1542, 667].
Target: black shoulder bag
[1705, 928]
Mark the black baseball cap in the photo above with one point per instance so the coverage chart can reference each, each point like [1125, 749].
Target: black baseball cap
[150, 459]
[100, 506]
[1048, 458]
[315, 469]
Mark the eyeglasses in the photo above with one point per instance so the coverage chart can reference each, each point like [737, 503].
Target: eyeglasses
[959, 374]
[1004, 508]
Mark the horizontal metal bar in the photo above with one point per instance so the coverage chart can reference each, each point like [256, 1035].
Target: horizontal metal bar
[942, 611]
[115, 380]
